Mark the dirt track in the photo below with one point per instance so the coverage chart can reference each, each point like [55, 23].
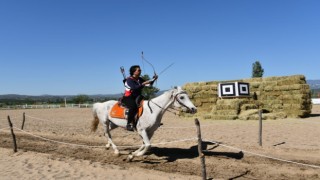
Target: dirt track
[290, 139]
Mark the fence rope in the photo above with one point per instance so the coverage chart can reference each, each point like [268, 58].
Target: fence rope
[265, 156]
[80, 145]
[43, 138]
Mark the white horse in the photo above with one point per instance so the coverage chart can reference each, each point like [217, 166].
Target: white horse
[149, 121]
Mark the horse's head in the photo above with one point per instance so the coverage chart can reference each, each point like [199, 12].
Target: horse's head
[181, 100]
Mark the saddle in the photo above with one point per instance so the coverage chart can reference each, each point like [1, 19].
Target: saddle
[120, 111]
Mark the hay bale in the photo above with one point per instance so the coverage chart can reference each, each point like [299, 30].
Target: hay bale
[248, 114]
[221, 117]
[281, 96]
[248, 107]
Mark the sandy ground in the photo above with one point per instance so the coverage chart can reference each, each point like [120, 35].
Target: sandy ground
[292, 145]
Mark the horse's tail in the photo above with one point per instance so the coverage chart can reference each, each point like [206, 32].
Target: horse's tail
[95, 121]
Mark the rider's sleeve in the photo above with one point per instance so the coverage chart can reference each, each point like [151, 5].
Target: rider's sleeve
[133, 85]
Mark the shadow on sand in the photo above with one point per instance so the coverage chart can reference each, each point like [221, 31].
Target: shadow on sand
[172, 154]
[314, 115]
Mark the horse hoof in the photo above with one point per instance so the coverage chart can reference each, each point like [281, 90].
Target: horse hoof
[107, 146]
[117, 153]
[130, 158]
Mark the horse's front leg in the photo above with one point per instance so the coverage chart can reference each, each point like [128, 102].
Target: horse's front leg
[138, 150]
[108, 136]
[144, 148]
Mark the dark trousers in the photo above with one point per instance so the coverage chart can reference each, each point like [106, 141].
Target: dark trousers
[130, 103]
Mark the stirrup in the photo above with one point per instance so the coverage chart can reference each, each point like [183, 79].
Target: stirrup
[129, 127]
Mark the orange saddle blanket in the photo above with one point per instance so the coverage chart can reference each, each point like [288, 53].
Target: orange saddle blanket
[119, 111]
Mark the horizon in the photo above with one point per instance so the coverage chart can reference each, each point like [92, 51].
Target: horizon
[110, 94]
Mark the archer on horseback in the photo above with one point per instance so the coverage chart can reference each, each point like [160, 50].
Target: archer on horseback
[133, 93]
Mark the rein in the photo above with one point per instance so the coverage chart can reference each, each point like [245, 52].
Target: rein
[175, 98]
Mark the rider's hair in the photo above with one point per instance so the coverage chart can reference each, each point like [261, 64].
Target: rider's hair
[133, 69]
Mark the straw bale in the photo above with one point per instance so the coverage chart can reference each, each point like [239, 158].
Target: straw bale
[272, 78]
[214, 88]
[298, 114]
[291, 101]
[211, 100]
[293, 106]
[277, 107]
[267, 98]
[269, 87]
[245, 114]
[203, 95]
[258, 93]
[207, 116]
[253, 80]
[289, 80]
[197, 102]
[206, 87]
[269, 83]
[195, 89]
[275, 94]
[255, 85]
[189, 85]
[295, 98]
[210, 83]
[276, 101]
[227, 112]
[207, 105]
[248, 107]
[273, 116]
[254, 115]
[227, 106]
[205, 109]
[221, 117]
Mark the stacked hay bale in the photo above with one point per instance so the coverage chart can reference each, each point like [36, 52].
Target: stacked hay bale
[278, 97]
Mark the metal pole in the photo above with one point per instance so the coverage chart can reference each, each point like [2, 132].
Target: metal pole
[13, 136]
[201, 155]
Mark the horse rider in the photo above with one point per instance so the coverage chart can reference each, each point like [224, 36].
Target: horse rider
[133, 93]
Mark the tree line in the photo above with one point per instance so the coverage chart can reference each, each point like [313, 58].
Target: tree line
[78, 99]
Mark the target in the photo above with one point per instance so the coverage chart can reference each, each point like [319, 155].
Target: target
[234, 89]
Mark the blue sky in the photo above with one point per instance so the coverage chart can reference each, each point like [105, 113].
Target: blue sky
[69, 47]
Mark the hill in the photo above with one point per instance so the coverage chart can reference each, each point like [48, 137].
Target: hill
[314, 84]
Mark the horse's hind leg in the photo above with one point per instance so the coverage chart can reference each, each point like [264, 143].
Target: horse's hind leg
[108, 136]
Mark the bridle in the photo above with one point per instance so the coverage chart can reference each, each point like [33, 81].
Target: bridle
[175, 98]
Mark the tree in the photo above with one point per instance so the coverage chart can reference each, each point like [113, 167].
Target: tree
[149, 92]
[80, 99]
[257, 70]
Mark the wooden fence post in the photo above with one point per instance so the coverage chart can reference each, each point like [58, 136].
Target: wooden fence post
[13, 136]
[23, 120]
[201, 155]
[260, 127]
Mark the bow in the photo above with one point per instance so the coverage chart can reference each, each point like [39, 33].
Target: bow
[154, 71]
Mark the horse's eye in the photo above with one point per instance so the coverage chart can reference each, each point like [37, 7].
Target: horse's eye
[181, 97]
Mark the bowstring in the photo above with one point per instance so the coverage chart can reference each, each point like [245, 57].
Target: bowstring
[143, 68]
